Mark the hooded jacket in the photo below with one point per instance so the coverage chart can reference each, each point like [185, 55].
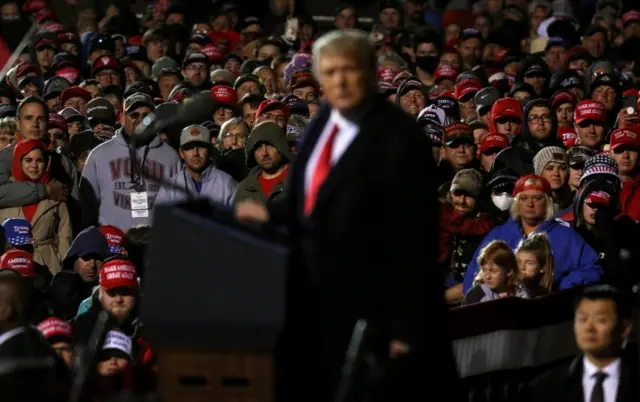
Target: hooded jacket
[16, 193]
[503, 107]
[216, 185]
[249, 188]
[519, 156]
[613, 236]
[67, 287]
[107, 184]
[575, 261]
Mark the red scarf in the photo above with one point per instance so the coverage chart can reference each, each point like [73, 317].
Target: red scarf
[21, 149]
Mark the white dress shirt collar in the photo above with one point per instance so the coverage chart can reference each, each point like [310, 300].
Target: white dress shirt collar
[343, 123]
[612, 370]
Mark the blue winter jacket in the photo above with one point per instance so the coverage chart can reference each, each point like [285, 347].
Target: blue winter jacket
[575, 262]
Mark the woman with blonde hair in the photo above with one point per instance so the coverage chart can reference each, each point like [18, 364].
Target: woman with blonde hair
[535, 264]
[532, 212]
[498, 275]
[8, 129]
[233, 134]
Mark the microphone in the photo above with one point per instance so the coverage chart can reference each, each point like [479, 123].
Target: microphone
[197, 110]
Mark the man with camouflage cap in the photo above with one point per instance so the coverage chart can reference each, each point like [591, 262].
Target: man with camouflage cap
[116, 190]
[197, 174]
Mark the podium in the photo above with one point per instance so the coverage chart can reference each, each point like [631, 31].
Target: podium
[213, 304]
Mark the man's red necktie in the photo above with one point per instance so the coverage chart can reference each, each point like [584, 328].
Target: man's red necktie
[323, 167]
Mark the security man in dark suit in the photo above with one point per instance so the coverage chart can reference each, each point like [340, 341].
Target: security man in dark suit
[362, 213]
[606, 371]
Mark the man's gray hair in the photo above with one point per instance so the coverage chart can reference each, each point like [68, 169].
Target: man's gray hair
[352, 42]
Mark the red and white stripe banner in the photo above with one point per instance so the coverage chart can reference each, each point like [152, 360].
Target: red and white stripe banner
[513, 333]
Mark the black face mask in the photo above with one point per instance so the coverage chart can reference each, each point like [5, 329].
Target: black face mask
[427, 63]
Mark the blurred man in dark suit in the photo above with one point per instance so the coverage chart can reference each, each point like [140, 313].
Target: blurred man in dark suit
[362, 213]
[26, 359]
[605, 371]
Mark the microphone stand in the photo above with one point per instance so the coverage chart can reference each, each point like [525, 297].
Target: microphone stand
[85, 360]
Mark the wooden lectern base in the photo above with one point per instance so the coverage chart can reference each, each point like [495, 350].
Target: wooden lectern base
[196, 375]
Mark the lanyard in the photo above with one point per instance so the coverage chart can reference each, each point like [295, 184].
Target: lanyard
[137, 170]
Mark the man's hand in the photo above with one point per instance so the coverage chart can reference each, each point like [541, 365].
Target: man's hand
[625, 119]
[112, 11]
[57, 191]
[251, 211]
[398, 349]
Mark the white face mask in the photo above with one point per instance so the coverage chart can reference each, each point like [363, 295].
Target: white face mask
[503, 201]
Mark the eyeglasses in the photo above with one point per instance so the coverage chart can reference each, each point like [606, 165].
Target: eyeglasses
[539, 119]
[104, 74]
[241, 137]
[277, 118]
[137, 115]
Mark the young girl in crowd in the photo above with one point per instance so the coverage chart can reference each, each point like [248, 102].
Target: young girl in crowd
[535, 265]
[498, 275]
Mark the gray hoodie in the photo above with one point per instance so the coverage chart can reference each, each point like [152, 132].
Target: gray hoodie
[107, 178]
[216, 186]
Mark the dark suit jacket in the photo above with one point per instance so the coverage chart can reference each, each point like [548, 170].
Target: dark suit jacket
[564, 383]
[368, 250]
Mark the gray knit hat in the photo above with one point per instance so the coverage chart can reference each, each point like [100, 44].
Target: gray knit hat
[547, 155]
[467, 180]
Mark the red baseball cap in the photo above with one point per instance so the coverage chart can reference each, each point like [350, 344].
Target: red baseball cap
[55, 327]
[272, 104]
[19, 261]
[114, 236]
[568, 136]
[466, 87]
[33, 6]
[104, 63]
[507, 108]
[445, 72]
[57, 121]
[532, 182]
[75, 92]
[589, 110]
[213, 52]
[630, 17]
[118, 273]
[624, 136]
[224, 94]
[493, 140]
[387, 74]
